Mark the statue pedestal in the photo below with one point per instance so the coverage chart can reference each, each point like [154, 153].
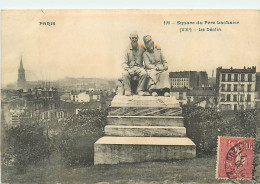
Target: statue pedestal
[143, 128]
[144, 101]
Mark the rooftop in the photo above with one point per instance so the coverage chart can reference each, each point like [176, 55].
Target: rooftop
[184, 74]
[234, 70]
[201, 92]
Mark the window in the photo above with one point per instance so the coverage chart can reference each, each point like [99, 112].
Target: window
[242, 77]
[236, 77]
[250, 77]
[222, 99]
[235, 98]
[229, 77]
[249, 98]
[242, 87]
[222, 87]
[229, 87]
[235, 87]
[235, 107]
[242, 98]
[223, 77]
[249, 87]
[228, 98]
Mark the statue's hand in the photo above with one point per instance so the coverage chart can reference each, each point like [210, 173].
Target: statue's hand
[165, 67]
[130, 71]
[160, 68]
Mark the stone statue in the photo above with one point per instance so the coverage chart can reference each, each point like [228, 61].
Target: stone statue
[134, 75]
[156, 67]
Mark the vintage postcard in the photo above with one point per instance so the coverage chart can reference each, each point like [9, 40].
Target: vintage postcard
[130, 96]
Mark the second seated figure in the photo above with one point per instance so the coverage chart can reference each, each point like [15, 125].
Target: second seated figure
[156, 67]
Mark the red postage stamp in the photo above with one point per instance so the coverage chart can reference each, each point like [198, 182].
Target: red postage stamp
[235, 158]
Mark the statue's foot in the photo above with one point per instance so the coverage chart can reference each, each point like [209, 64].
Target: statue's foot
[146, 93]
[153, 86]
[166, 94]
[154, 94]
[128, 93]
[142, 93]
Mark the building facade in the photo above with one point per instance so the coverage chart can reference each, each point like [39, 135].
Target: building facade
[86, 96]
[202, 97]
[257, 90]
[189, 79]
[236, 88]
[38, 104]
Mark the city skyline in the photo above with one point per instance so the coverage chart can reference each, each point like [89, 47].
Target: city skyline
[212, 74]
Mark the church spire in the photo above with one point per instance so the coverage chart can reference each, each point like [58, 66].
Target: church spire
[21, 63]
[21, 82]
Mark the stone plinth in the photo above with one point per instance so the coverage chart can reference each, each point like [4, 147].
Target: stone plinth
[143, 129]
[115, 150]
[146, 120]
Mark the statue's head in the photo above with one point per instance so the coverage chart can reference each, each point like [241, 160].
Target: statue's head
[134, 39]
[148, 42]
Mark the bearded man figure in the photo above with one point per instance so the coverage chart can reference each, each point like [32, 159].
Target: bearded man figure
[134, 69]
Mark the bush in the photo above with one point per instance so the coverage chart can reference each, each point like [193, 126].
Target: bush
[79, 133]
[205, 125]
[27, 144]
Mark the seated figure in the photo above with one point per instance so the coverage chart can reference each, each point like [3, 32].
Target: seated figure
[134, 69]
[156, 67]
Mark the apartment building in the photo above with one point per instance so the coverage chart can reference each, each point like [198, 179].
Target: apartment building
[236, 88]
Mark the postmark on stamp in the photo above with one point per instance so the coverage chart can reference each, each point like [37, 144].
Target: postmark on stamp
[235, 158]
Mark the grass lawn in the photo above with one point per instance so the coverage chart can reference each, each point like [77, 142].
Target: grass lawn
[198, 170]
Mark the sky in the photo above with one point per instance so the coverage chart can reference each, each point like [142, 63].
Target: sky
[92, 43]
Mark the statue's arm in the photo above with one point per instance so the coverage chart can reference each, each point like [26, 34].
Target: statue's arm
[147, 62]
[125, 65]
[164, 62]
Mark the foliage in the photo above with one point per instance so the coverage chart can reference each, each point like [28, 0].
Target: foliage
[201, 127]
[205, 125]
[256, 161]
[28, 143]
[79, 133]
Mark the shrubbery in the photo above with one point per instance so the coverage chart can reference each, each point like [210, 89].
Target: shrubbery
[33, 141]
[79, 133]
[27, 144]
[205, 125]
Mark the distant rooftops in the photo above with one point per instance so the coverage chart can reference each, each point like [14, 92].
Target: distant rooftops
[185, 74]
[233, 70]
[87, 92]
[201, 92]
